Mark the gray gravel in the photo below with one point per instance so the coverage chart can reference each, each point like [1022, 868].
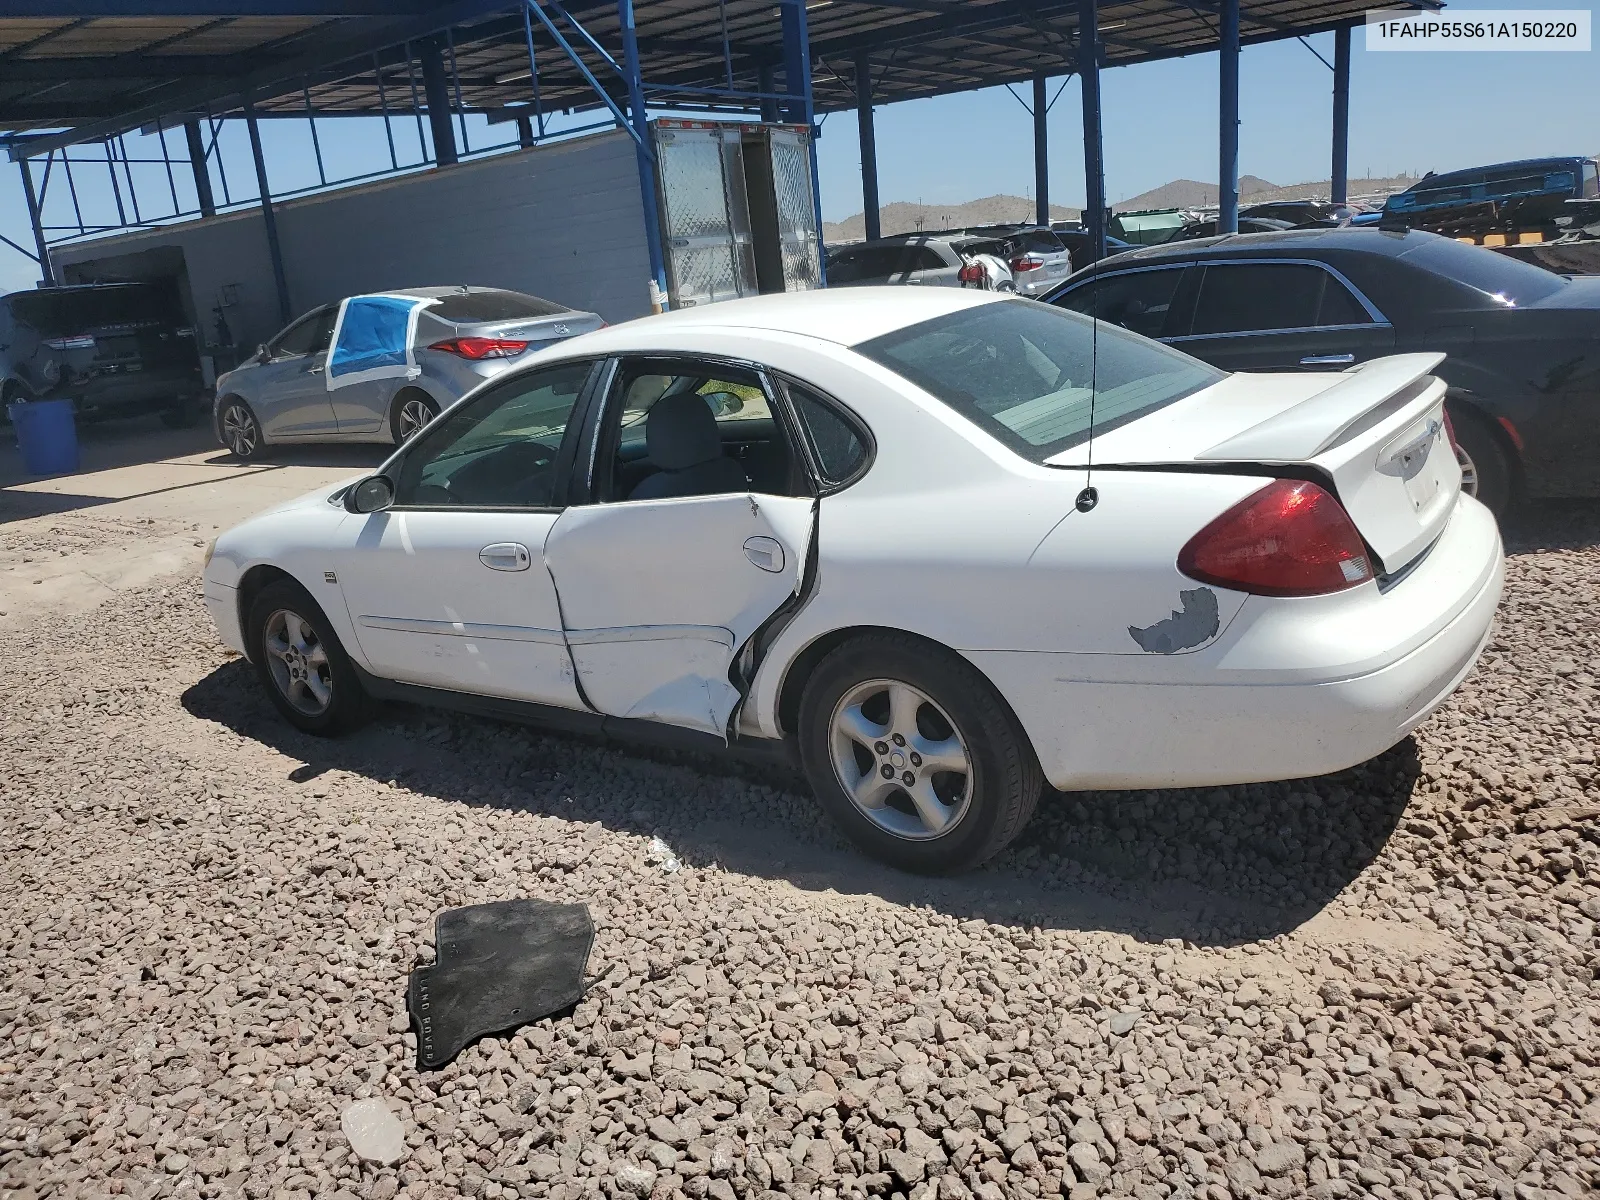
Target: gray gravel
[1381, 983]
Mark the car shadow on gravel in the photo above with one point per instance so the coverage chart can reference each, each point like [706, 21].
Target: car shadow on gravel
[1219, 866]
[1551, 525]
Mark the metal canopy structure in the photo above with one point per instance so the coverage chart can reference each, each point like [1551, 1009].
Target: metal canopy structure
[86, 72]
[81, 64]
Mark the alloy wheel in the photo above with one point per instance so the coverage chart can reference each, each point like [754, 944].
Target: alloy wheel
[299, 662]
[1469, 472]
[900, 759]
[239, 432]
[414, 414]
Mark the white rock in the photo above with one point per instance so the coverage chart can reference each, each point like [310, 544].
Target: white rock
[375, 1133]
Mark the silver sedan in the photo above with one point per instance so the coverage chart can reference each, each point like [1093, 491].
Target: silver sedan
[464, 336]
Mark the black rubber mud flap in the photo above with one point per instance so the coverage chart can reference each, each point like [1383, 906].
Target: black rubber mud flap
[498, 966]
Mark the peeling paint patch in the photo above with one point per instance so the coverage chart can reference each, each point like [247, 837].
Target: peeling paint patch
[1196, 622]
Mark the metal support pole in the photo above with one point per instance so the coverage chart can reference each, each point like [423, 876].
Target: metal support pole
[1041, 151]
[799, 109]
[869, 147]
[1228, 126]
[524, 132]
[268, 218]
[1094, 166]
[45, 272]
[766, 84]
[640, 120]
[1341, 115]
[436, 87]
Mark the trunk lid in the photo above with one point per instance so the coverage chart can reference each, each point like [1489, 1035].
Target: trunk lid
[538, 330]
[1376, 432]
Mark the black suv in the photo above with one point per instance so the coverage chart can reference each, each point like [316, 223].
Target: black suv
[113, 349]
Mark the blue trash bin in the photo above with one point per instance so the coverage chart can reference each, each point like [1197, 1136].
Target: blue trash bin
[46, 435]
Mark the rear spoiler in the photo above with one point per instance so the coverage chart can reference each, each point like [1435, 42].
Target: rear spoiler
[1321, 420]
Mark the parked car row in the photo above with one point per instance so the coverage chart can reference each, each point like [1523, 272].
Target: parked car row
[1029, 260]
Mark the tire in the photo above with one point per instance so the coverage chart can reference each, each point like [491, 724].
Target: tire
[412, 410]
[239, 430]
[302, 664]
[1486, 465]
[875, 700]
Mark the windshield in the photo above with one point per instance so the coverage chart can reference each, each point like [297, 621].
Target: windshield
[1509, 281]
[1030, 374]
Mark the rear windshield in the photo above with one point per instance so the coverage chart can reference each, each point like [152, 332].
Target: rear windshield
[56, 312]
[1032, 374]
[494, 304]
[1511, 281]
[1041, 242]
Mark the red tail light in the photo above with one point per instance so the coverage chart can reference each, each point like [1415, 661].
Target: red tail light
[971, 273]
[481, 347]
[1290, 538]
[1027, 262]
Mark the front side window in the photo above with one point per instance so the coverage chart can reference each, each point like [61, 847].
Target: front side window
[1035, 376]
[308, 335]
[1259, 297]
[1136, 300]
[498, 450]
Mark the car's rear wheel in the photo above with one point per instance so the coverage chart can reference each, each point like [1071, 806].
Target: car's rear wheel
[915, 755]
[302, 663]
[1486, 472]
[240, 431]
[412, 411]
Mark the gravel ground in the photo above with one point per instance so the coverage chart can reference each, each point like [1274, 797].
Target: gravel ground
[1377, 983]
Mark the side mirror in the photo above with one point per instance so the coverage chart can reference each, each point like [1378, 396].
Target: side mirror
[372, 494]
[261, 353]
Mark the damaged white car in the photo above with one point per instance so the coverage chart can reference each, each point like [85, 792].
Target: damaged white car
[942, 546]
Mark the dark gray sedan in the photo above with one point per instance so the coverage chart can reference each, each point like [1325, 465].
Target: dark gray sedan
[463, 336]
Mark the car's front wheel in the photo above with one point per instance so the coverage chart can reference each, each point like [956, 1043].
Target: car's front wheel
[239, 430]
[300, 660]
[915, 755]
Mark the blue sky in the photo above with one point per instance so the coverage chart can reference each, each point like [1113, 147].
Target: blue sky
[1408, 112]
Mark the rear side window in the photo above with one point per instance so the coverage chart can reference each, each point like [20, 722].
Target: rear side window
[1253, 297]
[1035, 376]
[493, 304]
[921, 258]
[1140, 301]
[837, 445]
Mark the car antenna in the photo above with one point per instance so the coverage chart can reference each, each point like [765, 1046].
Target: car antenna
[1089, 497]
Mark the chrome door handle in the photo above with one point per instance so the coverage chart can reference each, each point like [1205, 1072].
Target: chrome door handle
[506, 556]
[765, 552]
[1327, 360]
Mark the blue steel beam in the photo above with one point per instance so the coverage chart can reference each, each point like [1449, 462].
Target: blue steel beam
[799, 111]
[869, 147]
[269, 219]
[1041, 151]
[43, 257]
[640, 128]
[1228, 122]
[1341, 115]
[202, 173]
[1094, 168]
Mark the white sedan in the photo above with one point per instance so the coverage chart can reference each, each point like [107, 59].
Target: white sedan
[943, 546]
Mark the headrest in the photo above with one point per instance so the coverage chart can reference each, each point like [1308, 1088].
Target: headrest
[680, 432]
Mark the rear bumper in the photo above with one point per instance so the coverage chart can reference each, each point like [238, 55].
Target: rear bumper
[140, 391]
[1291, 689]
